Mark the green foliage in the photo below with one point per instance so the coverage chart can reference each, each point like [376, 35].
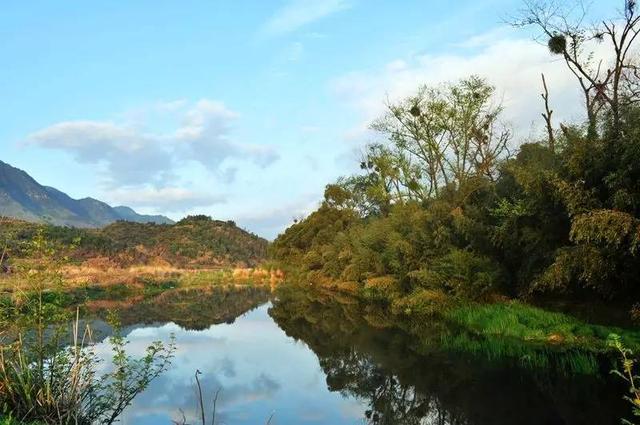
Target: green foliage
[312, 236]
[441, 138]
[628, 372]
[442, 206]
[562, 221]
[527, 323]
[382, 288]
[465, 274]
[610, 229]
[51, 375]
[193, 219]
[11, 421]
[421, 304]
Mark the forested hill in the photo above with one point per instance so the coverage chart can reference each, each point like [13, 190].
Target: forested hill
[24, 198]
[194, 242]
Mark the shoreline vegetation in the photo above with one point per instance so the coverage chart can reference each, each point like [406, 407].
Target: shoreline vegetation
[53, 281]
[452, 218]
[449, 222]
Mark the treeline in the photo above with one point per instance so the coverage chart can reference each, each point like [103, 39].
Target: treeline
[447, 207]
[195, 241]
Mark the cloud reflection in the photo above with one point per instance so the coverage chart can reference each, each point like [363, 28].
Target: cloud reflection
[258, 368]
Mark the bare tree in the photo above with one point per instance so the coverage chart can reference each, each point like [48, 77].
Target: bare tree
[546, 115]
[567, 34]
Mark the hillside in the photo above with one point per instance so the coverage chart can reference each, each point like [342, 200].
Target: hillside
[194, 242]
[24, 198]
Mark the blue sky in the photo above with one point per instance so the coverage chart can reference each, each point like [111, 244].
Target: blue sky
[241, 109]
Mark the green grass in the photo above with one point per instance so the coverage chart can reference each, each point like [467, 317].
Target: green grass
[531, 336]
[205, 278]
[11, 421]
[500, 349]
[519, 321]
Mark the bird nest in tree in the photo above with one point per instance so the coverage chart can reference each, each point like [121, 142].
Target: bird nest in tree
[557, 44]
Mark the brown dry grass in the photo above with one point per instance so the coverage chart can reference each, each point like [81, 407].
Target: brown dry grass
[257, 276]
[103, 272]
[114, 304]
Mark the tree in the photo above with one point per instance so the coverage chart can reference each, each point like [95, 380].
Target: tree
[605, 82]
[443, 137]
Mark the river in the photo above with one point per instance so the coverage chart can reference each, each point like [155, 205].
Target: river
[303, 358]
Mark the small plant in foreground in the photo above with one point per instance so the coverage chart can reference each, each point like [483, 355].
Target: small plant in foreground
[52, 377]
[629, 374]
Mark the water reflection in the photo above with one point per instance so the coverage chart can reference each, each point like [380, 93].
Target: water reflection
[260, 370]
[406, 379]
[191, 309]
[312, 358]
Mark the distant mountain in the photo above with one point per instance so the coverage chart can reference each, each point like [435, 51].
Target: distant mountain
[129, 214]
[24, 198]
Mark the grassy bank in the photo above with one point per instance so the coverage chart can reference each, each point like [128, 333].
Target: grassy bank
[517, 320]
[119, 289]
[532, 336]
[138, 278]
[499, 328]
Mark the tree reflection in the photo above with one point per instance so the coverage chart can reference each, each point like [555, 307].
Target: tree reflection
[406, 378]
[191, 309]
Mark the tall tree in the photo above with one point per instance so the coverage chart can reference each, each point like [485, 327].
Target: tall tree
[444, 137]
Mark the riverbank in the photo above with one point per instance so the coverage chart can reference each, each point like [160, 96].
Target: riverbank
[104, 290]
[494, 324]
[143, 276]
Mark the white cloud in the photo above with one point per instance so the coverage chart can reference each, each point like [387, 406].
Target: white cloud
[298, 13]
[169, 199]
[270, 222]
[204, 136]
[134, 157]
[486, 38]
[131, 157]
[512, 64]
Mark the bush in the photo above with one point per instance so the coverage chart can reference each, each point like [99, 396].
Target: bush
[421, 304]
[383, 288]
[463, 274]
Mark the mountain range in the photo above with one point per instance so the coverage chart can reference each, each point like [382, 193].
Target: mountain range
[24, 198]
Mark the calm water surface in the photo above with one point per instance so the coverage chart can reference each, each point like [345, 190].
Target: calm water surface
[308, 359]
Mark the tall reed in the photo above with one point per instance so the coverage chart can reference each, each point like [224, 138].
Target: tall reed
[52, 374]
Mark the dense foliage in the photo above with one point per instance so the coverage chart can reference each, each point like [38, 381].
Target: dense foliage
[446, 208]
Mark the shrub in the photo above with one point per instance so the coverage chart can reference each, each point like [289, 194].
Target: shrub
[465, 274]
[383, 288]
[421, 303]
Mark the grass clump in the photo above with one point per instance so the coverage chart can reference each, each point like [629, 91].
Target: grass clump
[629, 373]
[524, 322]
